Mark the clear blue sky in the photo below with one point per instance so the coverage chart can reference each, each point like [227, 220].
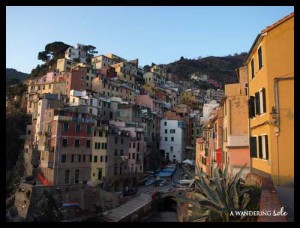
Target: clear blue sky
[151, 34]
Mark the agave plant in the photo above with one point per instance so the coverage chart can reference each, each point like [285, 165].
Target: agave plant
[218, 197]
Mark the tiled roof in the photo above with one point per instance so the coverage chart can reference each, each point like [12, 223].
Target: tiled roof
[277, 23]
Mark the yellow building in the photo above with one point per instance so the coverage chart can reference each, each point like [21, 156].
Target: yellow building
[99, 153]
[125, 72]
[270, 64]
[64, 64]
[186, 96]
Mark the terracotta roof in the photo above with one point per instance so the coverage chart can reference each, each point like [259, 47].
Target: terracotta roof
[277, 23]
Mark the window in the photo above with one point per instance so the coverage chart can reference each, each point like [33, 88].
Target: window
[165, 123]
[66, 126]
[77, 128]
[172, 131]
[263, 147]
[83, 158]
[260, 64]
[129, 145]
[252, 68]
[91, 158]
[49, 87]
[171, 148]
[89, 129]
[63, 158]
[116, 140]
[79, 158]
[72, 158]
[67, 176]
[122, 141]
[88, 143]
[76, 176]
[166, 131]
[133, 145]
[121, 153]
[129, 155]
[77, 143]
[257, 104]
[99, 174]
[95, 158]
[105, 158]
[166, 139]
[116, 152]
[172, 139]
[133, 155]
[100, 134]
[262, 98]
[65, 143]
[101, 158]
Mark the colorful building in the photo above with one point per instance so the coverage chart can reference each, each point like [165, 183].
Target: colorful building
[236, 137]
[270, 65]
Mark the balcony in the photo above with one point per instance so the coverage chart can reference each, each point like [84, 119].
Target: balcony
[74, 119]
[237, 141]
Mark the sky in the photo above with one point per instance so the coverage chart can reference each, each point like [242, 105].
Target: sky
[160, 34]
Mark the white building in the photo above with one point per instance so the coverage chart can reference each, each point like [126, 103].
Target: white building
[207, 108]
[78, 98]
[76, 52]
[172, 141]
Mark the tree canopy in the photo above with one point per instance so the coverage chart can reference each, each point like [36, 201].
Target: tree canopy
[54, 50]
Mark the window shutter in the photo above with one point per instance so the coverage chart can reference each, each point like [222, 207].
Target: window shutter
[264, 100]
[252, 68]
[257, 104]
[260, 146]
[251, 107]
[267, 149]
[253, 150]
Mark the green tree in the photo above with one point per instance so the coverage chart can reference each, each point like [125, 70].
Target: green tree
[56, 49]
[146, 68]
[90, 50]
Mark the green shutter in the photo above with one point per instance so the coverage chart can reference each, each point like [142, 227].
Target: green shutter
[257, 104]
[251, 107]
[260, 146]
[253, 147]
[267, 148]
[264, 100]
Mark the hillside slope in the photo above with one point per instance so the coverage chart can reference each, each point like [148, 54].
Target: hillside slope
[221, 69]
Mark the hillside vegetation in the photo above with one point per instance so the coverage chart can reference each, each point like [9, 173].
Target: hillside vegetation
[221, 69]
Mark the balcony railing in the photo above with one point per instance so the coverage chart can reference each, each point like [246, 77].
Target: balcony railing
[74, 119]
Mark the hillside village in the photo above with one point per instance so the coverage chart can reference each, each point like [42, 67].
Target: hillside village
[105, 122]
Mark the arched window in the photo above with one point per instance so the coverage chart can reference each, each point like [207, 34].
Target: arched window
[67, 176]
[76, 176]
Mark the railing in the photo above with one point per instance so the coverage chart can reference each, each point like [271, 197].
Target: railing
[73, 119]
